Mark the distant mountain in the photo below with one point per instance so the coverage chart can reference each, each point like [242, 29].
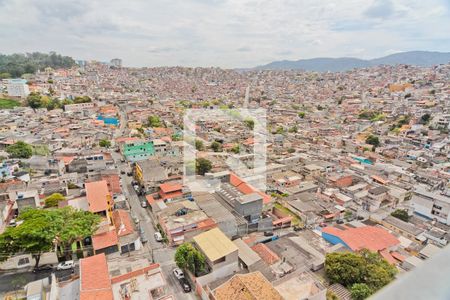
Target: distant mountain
[419, 58]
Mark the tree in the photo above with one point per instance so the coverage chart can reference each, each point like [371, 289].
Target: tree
[216, 146]
[401, 214]
[425, 118]
[154, 121]
[104, 143]
[250, 123]
[35, 235]
[77, 225]
[302, 114]
[20, 150]
[360, 291]
[236, 149]
[43, 229]
[293, 129]
[34, 100]
[203, 166]
[365, 267]
[373, 140]
[199, 145]
[188, 257]
[345, 268]
[53, 200]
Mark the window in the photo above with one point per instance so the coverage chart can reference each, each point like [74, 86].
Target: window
[218, 261]
[23, 261]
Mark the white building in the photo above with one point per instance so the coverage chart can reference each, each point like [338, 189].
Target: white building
[431, 204]
[17, 88]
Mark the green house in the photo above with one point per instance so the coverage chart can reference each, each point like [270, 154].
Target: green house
[138, 150]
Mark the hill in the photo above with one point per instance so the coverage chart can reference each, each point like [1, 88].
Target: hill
[15, 65]
[419, 58]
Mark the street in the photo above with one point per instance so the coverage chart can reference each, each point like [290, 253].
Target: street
[158, 252]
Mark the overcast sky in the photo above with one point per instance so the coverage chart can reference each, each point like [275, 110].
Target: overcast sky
[225, 33]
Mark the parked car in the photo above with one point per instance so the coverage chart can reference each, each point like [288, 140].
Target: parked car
[65, 265]
[158, 236]
[144, 204]
[268, 233]
[42, 268]
[340, 222]
[185, 285]
[323, 224]
[122, 172]
[178, 273]
[130, 174]
[297, 228]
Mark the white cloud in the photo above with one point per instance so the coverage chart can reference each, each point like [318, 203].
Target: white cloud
[226, 33]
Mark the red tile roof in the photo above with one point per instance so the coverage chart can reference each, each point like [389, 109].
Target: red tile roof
[97, 194]
[170, 187]
[104, 240]
[246, 188]
[265, 253]
[94, 279]
[367, 237]
[122, 222]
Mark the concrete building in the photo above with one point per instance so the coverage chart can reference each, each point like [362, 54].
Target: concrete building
[431, 204]
[17, 88]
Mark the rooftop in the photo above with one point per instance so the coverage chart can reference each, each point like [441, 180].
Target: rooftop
[97, 194]
[94, 279]
[215, 244]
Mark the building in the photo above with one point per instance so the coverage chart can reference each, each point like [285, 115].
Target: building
[116, 62]
[366, 237]
[251, 286]
[138, 150]
[220, 252]
[128, 238]
[94, 278]
[149, 173]
[431, 204]
[17, 88]
[99, 199]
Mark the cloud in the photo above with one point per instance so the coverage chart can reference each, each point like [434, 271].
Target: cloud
[382, 9]
[225, 33]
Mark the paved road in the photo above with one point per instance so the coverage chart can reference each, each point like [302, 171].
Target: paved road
[17, 279]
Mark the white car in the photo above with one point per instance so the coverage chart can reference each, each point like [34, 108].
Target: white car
[65, 265]
[158, 236]
[178, 273]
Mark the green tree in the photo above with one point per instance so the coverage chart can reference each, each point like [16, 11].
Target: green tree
[236, 149]
[345, 268]
[425, 118]
[216, 146]
[104, 143]
[77, 225]
[360, 291]
[293, 129]
[365, 267]
[20, 150]
[53, 200]
[302, 114]
[35, 235]
[401, 214]
[280, 130]
[250, 123]
[34, 100]
[202, 166]
[199, 145]
[373, 140]
[154, 121]
[188, 257]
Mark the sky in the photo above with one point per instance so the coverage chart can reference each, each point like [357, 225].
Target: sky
[222, 33]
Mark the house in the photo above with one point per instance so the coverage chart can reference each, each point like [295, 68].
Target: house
[142, 282]
[170, 190]
[149, 173]
[252, 286]
[138, 150]
[99, 199]
[95, 283]
[431, 204]
[183, 220]
[128, 238]
[220, 252]
[366, 237]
